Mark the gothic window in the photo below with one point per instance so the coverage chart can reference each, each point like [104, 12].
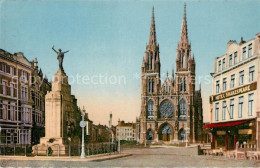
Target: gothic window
[150, 109]
[183, 59]
[151, 61]
[166, 109]
[179, 59]
[166, 130]
[184, 84]
[183, 109]
[150, 85]
[188, 54]
[181, 84]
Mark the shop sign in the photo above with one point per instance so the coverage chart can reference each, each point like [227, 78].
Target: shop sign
[221, 132]
[245, 131]
[235, 92]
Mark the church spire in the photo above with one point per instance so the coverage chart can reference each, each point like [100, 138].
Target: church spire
[152, 39]
[184, 30]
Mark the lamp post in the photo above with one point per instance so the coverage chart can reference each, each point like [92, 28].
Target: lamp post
[82, 125]
[119, 136]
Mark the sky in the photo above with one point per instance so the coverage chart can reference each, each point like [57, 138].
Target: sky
[106, 42]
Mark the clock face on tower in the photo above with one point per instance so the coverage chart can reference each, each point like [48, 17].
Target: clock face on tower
[166, 109]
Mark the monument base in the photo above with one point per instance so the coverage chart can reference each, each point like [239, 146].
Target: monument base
[51, 146]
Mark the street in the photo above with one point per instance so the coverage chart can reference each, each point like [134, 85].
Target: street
[145, 157]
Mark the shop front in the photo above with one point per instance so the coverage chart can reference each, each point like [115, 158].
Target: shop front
[226, 135]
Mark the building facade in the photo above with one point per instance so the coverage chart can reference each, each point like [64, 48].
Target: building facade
[17, 105]
[170, 111]
[235, 93]
[126, 131]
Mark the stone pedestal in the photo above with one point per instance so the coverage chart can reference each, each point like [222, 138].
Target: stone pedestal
[59, 103]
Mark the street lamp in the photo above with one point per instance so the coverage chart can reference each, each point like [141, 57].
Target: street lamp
[119, 136]
[82, 125]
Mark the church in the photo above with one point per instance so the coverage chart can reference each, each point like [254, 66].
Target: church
[171, 111]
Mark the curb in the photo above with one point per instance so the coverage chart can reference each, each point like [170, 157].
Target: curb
[69, 159]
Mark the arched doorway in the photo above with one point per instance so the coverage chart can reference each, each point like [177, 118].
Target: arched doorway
[182, 135]
[165, 133]
[149, 135]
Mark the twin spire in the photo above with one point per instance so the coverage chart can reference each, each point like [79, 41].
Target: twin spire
[152, 39]
[184, 30]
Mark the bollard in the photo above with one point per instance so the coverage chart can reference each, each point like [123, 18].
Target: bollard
[47, 151]
[14, 149]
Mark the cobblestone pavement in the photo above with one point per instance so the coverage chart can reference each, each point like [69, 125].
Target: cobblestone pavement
[144, 157]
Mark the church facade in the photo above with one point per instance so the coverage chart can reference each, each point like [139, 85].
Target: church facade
[171, 111]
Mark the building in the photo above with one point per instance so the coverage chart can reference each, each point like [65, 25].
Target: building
[17, 105]
[171, 111]
[235, 93]
[38, 89]
[126, 131]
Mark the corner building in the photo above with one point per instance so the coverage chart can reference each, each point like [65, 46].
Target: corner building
[171, 112]
[235, 108]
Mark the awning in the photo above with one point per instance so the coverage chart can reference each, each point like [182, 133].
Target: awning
[226, 124]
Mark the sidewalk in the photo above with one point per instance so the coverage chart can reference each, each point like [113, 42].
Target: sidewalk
[99, 157]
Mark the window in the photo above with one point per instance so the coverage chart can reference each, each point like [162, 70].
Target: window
[224, 84]
[251, 73]
[1, 109]
[183, 84]
[223, 64]
[3, 66]
[224, 107]
[230, 60]
[232, 81]
[5, 115]
[150, 86]
[241, 77]
[249, 50]
[24, 94]
[150, 108]
[235, 58]
[240, 107]
[4, 88]
[183, 59]
[250, 104]
[216, 111]
[244, 53]
[231, 108]
[219, 65]
[217, 86]
[12, 89]
[24, 76]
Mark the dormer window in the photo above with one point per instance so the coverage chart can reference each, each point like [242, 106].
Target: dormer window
[249, 50]
[235, 58]
[230, 60]
[244, 53]
[219, 65]
[223, 64]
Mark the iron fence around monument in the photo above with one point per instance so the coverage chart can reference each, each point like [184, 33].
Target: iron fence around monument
[15, 150]
[56, 150]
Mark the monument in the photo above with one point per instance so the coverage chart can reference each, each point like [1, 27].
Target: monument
[61, 115]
